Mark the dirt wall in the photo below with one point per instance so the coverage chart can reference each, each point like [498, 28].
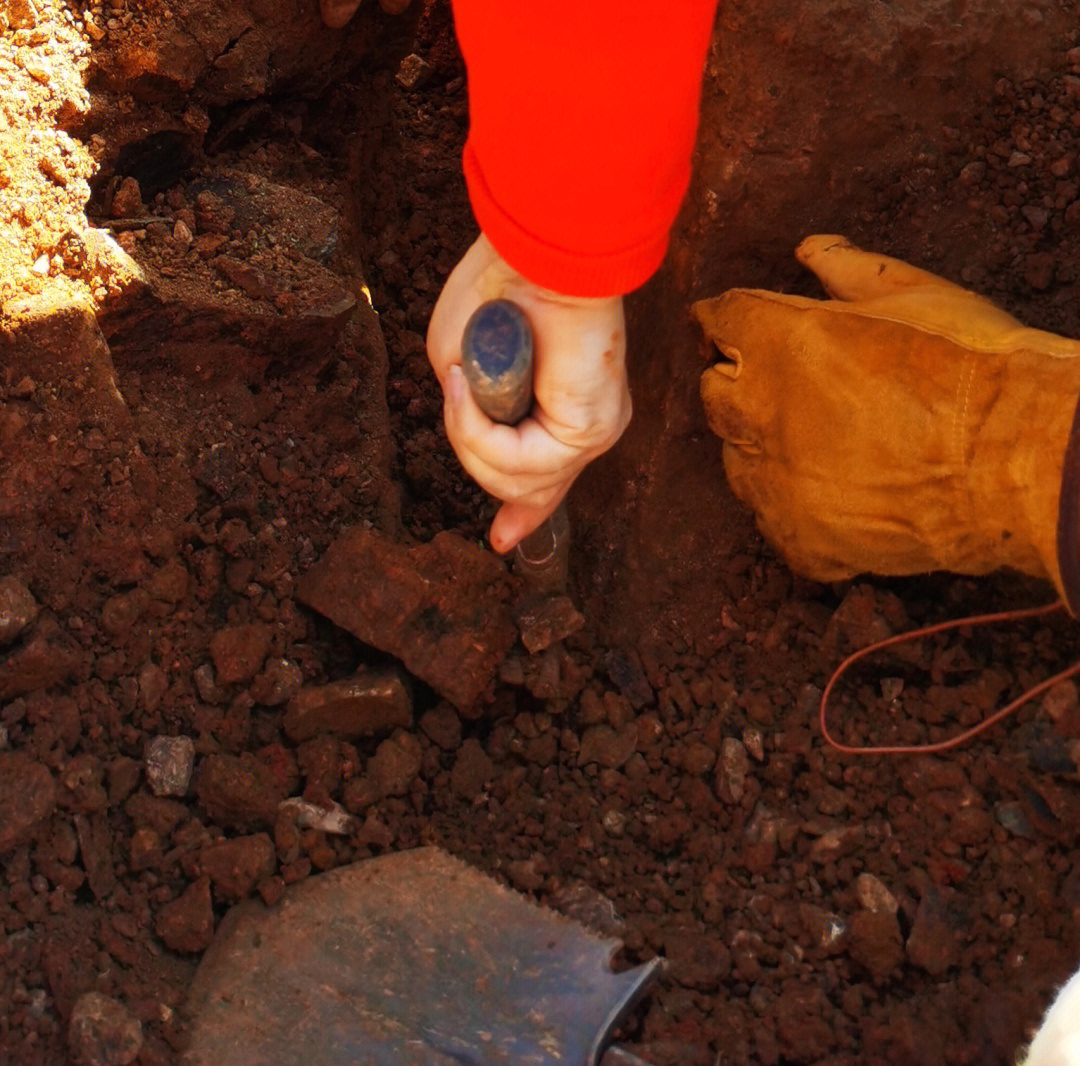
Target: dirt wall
[817, 116]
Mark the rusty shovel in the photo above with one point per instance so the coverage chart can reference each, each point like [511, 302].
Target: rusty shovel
[410, 959]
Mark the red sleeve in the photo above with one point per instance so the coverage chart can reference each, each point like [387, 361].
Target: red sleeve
[583, 115]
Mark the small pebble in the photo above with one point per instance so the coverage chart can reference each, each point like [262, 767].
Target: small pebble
[614, 822]
[335, 820]
[1056, 702]
[18, 608]
[127, 200]
[169, 762]
[731, 770]
[891, 687]
[413, 73]
[103, 1032]
[873, 895]
[754, 742]
[582, 903]
[548, 622]
[182, 235]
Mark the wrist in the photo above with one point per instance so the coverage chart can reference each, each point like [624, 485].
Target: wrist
[504, 276]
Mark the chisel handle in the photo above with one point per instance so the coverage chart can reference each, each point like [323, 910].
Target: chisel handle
[497, 357]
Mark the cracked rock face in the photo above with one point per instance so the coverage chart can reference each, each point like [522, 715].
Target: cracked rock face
[219, 53]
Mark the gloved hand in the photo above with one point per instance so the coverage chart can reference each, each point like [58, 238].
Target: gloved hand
[903, 426]
[581, 399]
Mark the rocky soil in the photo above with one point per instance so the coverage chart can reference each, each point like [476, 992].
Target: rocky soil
[216, 268]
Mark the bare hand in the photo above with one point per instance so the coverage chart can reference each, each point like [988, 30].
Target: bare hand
[581, 398]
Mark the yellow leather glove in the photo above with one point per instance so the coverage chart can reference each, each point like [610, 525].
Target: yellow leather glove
[902, 426]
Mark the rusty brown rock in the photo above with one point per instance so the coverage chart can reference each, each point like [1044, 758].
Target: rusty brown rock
[473, 769]
[698, 758]
[874, 940]
[27, 798]
[305, 223]
[608, 747]
[187, 923]
[258, 284]
[873, 895]
[441, 608]
[82, 783]
[804, 1021]
[279, 681]
[127, 201]
[122, 611]
[103, 1032]
[95, 847]
[236, 866]
[238, 791]
[395, 763]
[21, 15]
[698, 961]
[239, 651]
[442, 727]
[213, 214]
[154, 812]
[932, 944]
[554, 674]
[47, 658]
[413, 73]
[200, 320]
[372, 702]
[123, 778]
[153, 684]
[169, 583]
[545, 623]
[60, 342]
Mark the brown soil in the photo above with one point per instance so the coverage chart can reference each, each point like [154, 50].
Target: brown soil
[195, 407]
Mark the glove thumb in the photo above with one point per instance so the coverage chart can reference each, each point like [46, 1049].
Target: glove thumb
[846, 272]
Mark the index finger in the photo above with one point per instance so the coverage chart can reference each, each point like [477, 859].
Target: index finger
[524, 450]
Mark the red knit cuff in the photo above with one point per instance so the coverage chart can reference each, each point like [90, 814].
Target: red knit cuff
[561, 270]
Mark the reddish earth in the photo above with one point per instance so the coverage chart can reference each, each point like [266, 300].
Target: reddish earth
[193, 409]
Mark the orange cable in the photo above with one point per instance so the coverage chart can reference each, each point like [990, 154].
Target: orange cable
[962, 738]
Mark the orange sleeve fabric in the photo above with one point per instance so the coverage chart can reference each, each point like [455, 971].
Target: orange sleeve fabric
[583, 116]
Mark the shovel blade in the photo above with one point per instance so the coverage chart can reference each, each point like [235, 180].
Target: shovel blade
[410, 959]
